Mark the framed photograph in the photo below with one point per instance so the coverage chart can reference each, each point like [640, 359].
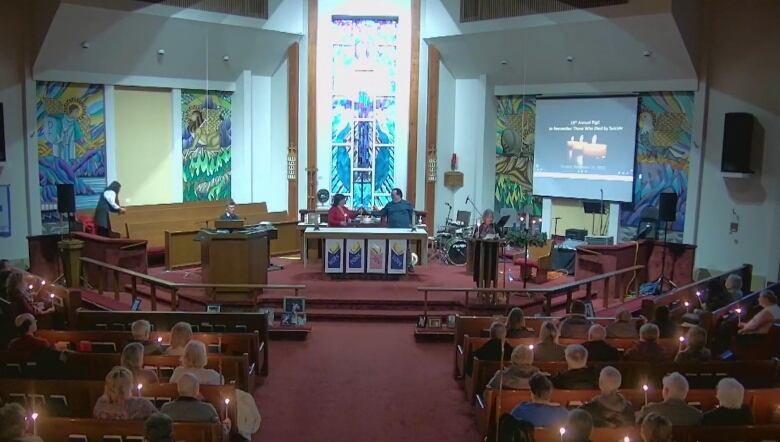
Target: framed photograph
[288, 319]
[300, 319]
[451, 321]
[434, 322]
[294, 304]
[269, 315]
[421, 321]
[213, 308]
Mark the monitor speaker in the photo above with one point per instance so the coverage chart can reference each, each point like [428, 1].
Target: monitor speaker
[667, 207]
[66, 198]
[737, 142]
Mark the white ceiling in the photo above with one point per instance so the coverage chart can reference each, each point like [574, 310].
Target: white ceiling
[123, 44]
[537, 55]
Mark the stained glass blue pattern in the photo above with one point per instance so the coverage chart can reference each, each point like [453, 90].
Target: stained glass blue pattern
[363, 125]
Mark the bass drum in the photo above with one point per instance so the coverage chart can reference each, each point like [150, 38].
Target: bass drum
[456, 252]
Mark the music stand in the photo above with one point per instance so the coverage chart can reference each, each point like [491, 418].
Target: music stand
[463, 217]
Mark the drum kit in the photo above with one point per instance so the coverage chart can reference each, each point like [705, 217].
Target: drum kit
[450, 243]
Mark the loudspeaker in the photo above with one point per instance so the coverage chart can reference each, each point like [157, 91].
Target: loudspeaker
[578, 234]
[667, 207]
[737, 142]
[594, 207]
[66, 198]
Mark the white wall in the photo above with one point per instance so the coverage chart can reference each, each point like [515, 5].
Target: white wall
[445, 146]
[279, 141]
[261, 139]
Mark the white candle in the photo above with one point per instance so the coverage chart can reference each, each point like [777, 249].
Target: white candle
[159, 339]
[626, 439]
[682, 341]
[532, 347]
[139, 387]
[645, 388]
[227, 402]
[562, 431]
[35, 427]
[739, 314]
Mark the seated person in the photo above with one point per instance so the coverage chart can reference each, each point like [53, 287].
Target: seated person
[656, 428]
[339, 215]
[578, 376]
[515, 325]
[548, 349]
[141, 330]
[733, 286]
[674, 407]
[159, 428]
[624, 326]
[731, 411]
[647, 349]
[610, 408]
[717, 296]
[188, 408]
[118, 402]
[27, 346]
[666, 327]
[230, 212]
[491, 351]
[576, 324]
[540, 412]
[579, 425]
[486, 229]
[21, 300]
[694, 350]
[762, 322]
[181, 333]
[133, 359]
[516, 375]
[194, 361]
[13, 422]
[598, 349]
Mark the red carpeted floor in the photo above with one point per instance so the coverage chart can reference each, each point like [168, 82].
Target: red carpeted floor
[363, 382]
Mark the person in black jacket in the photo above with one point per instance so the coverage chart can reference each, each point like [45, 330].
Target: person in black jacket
[731, 411]
[491, 351]
[578, 376]
[108, 202]
[598, 349]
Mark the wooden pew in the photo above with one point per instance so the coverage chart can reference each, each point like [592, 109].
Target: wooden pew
[95, 366]
[59, 430]
[234, 322]
[749, 433]
[65, 301]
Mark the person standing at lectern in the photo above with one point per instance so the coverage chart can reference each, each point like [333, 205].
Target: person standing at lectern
[108, 202]
[339, 215]
[230, 212]
[486, 229]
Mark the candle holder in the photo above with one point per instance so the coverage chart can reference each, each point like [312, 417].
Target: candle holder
[227, 402]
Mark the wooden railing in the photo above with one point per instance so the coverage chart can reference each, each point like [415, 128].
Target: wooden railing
[709, 320]
[172, 287]
[549, 293]
[692, 293]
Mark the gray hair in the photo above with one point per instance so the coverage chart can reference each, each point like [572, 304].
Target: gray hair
[522, 355]
[730, 393]
[675, 386]
[188, 385]
[609, 380]
[649, 332]
[497, 330]
[132, 356]
[576, 356]
[141, 329]
[597, 332]
[733, 281]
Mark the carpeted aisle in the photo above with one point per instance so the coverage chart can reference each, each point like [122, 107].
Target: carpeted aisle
[363, 382]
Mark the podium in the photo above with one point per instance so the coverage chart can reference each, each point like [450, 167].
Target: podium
[483, 254]
[234, 258]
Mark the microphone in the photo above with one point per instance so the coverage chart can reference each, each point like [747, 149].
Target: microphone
[448, 205]
[467, 199]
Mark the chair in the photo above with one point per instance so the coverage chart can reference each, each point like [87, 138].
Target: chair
[538, 263]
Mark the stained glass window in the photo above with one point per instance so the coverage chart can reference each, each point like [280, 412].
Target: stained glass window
[364, 109]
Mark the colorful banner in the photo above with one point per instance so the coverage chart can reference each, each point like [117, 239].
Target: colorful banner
[71, 134]
[356, 256]
[376, 256]
[396, 256]
[206, 141]
[334, 256]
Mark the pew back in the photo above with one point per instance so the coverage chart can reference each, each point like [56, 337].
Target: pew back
[94, 430]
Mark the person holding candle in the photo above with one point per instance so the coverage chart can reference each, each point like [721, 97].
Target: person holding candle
[674, 406]
[13, 424]
[141, 329]
[118, 402]
[548, 349]
[188, 408]
[133, 360]
[181, 333]
[610, 409]
[694, 350]
[762, 322]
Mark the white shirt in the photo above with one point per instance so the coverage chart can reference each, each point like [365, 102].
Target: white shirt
[110, 196]
[206, 376]
[765, 314]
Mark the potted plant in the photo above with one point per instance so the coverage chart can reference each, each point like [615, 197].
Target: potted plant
[524, 239]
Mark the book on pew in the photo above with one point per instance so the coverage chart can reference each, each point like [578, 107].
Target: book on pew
[205, 327]
[166, 372]
[103, 347]
[244, 328]
[57, 405]
[215, 348]
[101, 326]
[112, 438]
[220, 328]
[118, 326]
[77, 438]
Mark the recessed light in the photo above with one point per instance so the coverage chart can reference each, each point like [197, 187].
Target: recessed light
[504, 62]
[570, 59]
[85, 45]
[161, 52]
[226, 58]
[647, 53]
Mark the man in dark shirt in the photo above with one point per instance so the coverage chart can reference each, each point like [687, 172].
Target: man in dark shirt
[576, 324]
[230, 212]
[598, 349]
[400, 215]
[491, 351]
[731, 410]
[578, 376]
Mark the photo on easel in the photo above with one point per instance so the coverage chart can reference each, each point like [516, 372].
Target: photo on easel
[421, 321]
[294, 304]
[434, 322]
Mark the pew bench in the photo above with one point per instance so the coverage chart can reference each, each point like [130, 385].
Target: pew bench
[94, 430]
[751, 433]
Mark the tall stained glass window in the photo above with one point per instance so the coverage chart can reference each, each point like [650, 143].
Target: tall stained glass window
[364, 109]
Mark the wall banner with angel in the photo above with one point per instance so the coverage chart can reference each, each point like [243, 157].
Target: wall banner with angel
[71, 135]
[206, 142]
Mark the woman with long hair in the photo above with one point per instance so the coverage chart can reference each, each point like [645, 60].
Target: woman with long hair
[339, 215]
[118, 402]
[108, 202]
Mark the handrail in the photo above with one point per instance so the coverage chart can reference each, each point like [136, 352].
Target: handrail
[173, 287]
[549, 292]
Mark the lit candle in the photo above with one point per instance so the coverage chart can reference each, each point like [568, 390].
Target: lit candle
[35, 427]
[531, 346]
[687, 304]
[562, 431]
[626, 439]
[30, 287]
[645, 388]
[227, 402]
[682, 341]
[159, 339]
[739, 314]
[51, 295]
[139, 387]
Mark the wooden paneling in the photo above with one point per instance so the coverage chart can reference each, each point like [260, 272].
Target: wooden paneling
[432, 119]
[476, 10]
[311, 116]
[293, 55]
[414, 94]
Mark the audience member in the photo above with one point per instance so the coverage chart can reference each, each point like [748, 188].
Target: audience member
[695, 350]
[578, 376]
[13, 423]
[610, 408]
[717, 296]
[673, 407]
[656, 428]
[516, 375]
[539, 412]
[548, 349]
[730, 410]
[118, 402]
[513, 430]
[27, 346]
[187, 407]
[141, 330]
[762, 322]
[598, 349]
[647, 349]
[21, 301]
[666, 327]
[181, 333]
[733, 287]
[576, 324]
[194, 361]
[579, 425]
[623, 327]
[515, 325]
[159, 428]
[133, 360]
[492, 350]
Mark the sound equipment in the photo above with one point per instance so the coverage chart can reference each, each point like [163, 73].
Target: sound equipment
[737, 141]
[648, 223]
[667, 207]
[578, 234]
[592, 207]
[600, 240]
[66, 198]
[2, 135]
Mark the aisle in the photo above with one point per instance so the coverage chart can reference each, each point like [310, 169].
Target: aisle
[369, 382]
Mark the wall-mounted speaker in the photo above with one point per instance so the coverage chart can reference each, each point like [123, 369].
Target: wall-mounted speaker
[66, 198]
[667, 207]
[737, 142]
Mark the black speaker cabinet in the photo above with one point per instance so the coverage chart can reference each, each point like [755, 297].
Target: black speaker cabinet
[591, 207]
[667, 207]
[737, 142]
[66, 198]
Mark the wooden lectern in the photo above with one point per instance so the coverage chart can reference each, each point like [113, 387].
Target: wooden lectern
[234, 258]
[485, 261]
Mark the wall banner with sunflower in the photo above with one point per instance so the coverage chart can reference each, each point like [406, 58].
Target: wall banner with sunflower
[71, 135]
[206, 143]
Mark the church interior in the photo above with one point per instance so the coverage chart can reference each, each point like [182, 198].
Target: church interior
[389, 220]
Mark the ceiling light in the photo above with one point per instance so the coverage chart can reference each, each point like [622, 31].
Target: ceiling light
[161, 52]
[504, 62]
[570, 59]
[647, 53]
[85, 45]
[226, 58]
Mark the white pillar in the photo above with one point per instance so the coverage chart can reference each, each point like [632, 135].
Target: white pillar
[177, 160]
